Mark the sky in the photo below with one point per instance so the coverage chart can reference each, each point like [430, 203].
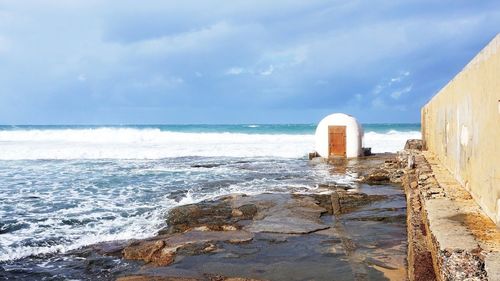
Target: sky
[224, 62]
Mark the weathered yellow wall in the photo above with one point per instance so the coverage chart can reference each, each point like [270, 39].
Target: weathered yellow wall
[461, 126]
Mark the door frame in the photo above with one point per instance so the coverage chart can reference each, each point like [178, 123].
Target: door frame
[344, 129]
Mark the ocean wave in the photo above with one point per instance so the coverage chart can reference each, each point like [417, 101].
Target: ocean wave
[153, 143]
[391, 141]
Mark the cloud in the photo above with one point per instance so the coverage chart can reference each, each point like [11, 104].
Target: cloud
[186, 55]
[182, 42]
[378, 89]
[393, 88]
[157, 82]
[398, 93]
[398, 78]
[268, 71]
[235, 71]
[390, 82]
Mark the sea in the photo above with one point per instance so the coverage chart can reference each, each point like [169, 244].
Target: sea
[65, 187]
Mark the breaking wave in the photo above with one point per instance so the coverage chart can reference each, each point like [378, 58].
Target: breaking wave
[133, 143]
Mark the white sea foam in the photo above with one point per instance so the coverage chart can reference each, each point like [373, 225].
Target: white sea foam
[391, 141]
[130, 143]
[129, 228]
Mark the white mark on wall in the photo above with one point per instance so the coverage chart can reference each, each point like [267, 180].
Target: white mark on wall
[464, 136]
[447, 131]
[498, 211]
[457, 135]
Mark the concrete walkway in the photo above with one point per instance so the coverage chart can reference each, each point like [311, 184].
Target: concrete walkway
[464, 242]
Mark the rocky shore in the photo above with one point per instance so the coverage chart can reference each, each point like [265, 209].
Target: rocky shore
[402, 218]
[337, 231]
[448, 236]
[344, 232]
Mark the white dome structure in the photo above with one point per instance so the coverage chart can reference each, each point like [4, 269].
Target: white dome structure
[339, 134]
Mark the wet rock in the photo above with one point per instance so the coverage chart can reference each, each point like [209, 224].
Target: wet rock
[282, 223]
[228, 228]
[177, 195]
[210, 226]
[297, 214]
[209, 214]
[352, 201]
[377, 176]
[274, 238]
[283, 213]
[335, 186]
[313, 155]
[266, 213]
[236, 213]
[232, 279]
[150, 251]
[248, 211]
[208, 277]
[161, 250]
[345, 201]
[380, 263]
[324, 201]
[386, 218]
[110, 248]
[154, 278]
[194, 249]
[216, 215]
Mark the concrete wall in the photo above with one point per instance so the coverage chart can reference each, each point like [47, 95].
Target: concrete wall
[461, 126]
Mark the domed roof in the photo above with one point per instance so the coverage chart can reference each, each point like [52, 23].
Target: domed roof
[353, 134]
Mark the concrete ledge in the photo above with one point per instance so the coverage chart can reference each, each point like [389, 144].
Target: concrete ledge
[444, 217]
[464, 243]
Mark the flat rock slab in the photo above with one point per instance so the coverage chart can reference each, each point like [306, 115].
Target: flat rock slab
[162, 250]
[208, 236]
[174, 278]
[283, 213]
[282, 224]
[236, 236]
[274, 213]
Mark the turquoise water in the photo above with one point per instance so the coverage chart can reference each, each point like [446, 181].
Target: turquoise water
[240, 128]
[169, 141]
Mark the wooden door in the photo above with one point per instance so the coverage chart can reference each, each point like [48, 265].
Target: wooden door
[336, 141]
